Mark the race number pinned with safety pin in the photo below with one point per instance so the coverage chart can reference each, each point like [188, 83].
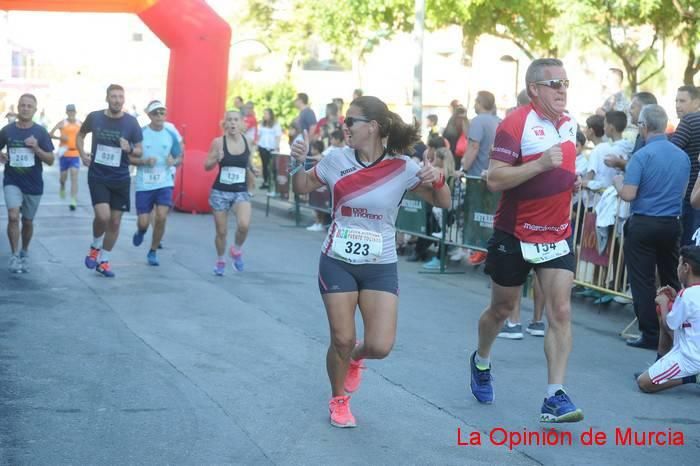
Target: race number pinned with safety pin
[537, 253]
[356, 246]
[21, 157]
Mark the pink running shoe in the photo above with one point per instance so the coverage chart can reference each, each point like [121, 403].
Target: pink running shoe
[237, 257]
[354, 375]
[339, 407]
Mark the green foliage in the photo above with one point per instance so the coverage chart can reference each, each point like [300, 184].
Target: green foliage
[527, 23]
[620, 25]
[285, 29]
[279, 97]
[537, 27]
[354, 27]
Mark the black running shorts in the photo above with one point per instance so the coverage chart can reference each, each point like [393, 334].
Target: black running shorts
[116, 194]
[336, 276]
[505, 263]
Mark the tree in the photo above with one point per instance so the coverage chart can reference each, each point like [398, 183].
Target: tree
[688, 36]
[526, 23]
[278, 97]
[354, 27]
[621, 25]
[287, 25]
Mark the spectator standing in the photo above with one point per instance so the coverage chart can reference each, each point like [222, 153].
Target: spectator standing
[654, 183]
[307, 118]
[639, 100]
[454, 131]
[239, 104]
[331, 122]
[270, 134]
[523, 99]
[687, 100]
[687, 137]
[617, 99]
[431, 124]
[482, 132]
[601, 161]
[251, 122]
[594, 131]
[340, 103]
[420, 252]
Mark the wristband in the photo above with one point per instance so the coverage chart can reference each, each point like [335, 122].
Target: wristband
[440, 182]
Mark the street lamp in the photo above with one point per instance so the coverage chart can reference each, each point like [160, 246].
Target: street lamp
[511, 59]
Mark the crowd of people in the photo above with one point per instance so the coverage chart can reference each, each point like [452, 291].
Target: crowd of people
[365, 159]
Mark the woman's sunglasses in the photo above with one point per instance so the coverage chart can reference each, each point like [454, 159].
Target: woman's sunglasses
[349, 121]
[554, 83]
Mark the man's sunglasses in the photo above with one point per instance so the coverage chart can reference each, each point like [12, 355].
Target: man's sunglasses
[158, 112]
[349, 121]
[554, 83]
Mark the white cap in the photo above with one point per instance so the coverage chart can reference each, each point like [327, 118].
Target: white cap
[155, 105]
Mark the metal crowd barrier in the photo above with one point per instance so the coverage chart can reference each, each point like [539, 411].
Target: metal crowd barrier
[281, 189]
[468, 223]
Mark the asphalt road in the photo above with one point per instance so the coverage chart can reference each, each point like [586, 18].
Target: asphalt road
[172, 365]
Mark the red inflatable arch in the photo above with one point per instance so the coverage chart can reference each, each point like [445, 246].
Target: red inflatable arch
[199, 42]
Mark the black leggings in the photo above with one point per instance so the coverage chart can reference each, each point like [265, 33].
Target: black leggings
[266, 156]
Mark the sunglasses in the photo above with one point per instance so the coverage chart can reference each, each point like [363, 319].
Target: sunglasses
[349, 121]
[554, 83]
[158, 112]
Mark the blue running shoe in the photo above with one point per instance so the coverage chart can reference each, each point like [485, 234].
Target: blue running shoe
[138, 238]
[237, 257]
[219, 268]
[91, 258]
[560, 408]
[105, 270]
[152, 258]
[481, 386]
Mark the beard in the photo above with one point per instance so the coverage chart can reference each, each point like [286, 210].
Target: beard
[114, 109]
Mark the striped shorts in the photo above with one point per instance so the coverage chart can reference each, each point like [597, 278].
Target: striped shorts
[673, 365]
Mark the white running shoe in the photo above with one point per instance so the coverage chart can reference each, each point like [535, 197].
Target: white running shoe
[458, 255]
[15, 265]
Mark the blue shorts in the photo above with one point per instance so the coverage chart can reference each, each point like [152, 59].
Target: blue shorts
[146, 200]
[69, 162]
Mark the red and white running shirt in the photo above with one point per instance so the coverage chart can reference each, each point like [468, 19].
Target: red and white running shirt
[684, 320]
[366, 198]
[537, 211]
